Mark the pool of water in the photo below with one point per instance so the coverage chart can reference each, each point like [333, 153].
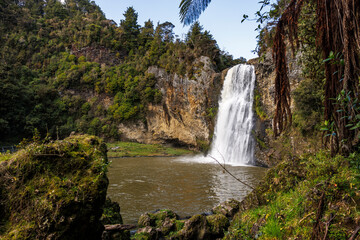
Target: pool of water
[146, 184]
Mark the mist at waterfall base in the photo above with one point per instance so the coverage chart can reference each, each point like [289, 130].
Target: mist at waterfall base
[184, 184]
[232, 142]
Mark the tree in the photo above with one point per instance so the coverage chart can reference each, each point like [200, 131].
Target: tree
[165, 30]
[146, 33]
[203, 43]
[130, 29]
[339, 40]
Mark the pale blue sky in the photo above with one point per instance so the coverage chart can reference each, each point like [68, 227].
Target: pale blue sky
[222, 18]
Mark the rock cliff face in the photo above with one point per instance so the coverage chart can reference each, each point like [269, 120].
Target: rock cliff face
[186, 114]
[266, 152]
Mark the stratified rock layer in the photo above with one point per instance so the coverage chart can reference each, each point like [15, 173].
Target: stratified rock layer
[185, 115]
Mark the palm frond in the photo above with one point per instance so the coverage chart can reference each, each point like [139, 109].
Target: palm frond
[190, 10]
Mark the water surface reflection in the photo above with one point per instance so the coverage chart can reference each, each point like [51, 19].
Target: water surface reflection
[144, 184]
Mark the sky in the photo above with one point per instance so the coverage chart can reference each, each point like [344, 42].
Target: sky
[222, 18]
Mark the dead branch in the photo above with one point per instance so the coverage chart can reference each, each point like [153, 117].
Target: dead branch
[353, 236]
[119, 227]
[231, 173]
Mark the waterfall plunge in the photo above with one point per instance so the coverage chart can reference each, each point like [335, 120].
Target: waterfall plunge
[232, 141]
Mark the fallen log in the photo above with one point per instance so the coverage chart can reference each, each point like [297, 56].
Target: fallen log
[119, 227]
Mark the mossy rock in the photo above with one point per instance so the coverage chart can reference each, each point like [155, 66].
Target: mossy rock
[146, 219]
[116, 235]
[159, 224]
[54, 190]
[111, 213]
[156, 219]
[194, 228]
[146, 233]
[218, 224]
[228, 208]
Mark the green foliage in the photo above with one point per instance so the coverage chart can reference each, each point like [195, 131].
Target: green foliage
[288, 200]
[58, 57]
[308, 98]
[203, 145]
[258, 106]
[211, 113]
[348, 108]
[132, 149]
[130, 29]
[111, 213]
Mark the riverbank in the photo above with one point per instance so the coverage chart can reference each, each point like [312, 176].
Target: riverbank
[132, 149]
[145, 184]
[314, 196]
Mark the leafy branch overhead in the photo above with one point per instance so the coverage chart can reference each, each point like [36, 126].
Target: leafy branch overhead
[190, 10]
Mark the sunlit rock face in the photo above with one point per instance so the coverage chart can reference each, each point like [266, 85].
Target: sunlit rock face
[265, 91]
[186, 113]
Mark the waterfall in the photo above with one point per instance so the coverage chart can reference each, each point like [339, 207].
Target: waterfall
[232, 140]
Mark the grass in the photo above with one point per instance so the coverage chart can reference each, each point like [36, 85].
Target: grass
[131, 149]
[290, 196]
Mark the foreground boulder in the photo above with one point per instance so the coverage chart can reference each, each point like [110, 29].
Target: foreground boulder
[158, 225]
[54, 190]
[228, 208]
[165, 224]
[203, 227]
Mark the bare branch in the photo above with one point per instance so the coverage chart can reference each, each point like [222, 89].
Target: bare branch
[231, 173]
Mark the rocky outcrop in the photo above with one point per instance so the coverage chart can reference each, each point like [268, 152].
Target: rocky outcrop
[165, 224]
[228, 208]
[54, 190]
[264, 103]
[186, 114]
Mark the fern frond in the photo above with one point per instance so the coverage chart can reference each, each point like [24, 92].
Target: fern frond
[190, 10]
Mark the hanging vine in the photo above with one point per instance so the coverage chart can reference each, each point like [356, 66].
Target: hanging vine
[289, 19]
[338, 38]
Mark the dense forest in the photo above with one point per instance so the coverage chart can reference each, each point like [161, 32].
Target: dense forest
[64, 67]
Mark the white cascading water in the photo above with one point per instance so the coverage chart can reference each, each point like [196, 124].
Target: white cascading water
[233, 143]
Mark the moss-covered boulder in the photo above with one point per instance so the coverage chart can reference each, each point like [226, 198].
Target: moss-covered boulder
[158, 224]
[228, 208]
[194, 228]
[157, 219]
[111, 213]
[117, 232]
[165, 224]
[203, 227]
[218, 224]
[54, 190]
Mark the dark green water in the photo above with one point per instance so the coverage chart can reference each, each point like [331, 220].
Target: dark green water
[142, 185]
